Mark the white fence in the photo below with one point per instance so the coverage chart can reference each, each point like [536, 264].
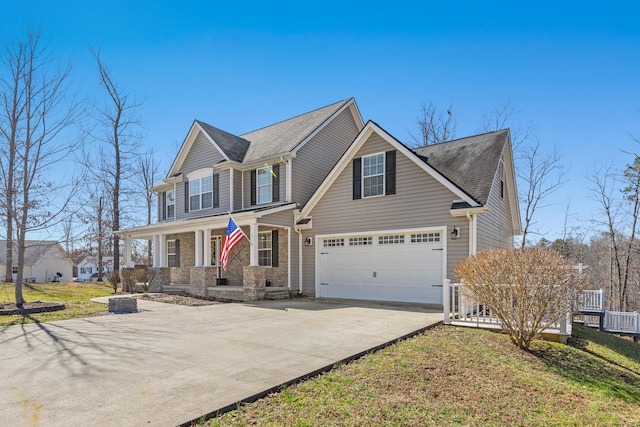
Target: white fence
[462, 311]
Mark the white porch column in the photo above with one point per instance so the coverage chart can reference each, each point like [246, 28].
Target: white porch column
[155, 250]
[162, 250]
[198, 262]
[207, 248]
[253, 246]
[127, 252]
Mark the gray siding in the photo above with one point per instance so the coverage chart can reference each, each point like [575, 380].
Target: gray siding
[202, 155]
[495, 229]
[223, 199]
[247, 186]
[318, 156]
[237, 189]
[420, 202]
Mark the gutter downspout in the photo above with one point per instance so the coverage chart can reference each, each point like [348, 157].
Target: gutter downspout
[299, 258]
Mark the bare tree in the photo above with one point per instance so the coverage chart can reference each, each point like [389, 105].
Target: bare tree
[39, 111]
[147, 174]
[539, 174]
[434, 126]
[115, 159]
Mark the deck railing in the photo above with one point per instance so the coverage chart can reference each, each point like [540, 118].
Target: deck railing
[591, 301]
[622, 322]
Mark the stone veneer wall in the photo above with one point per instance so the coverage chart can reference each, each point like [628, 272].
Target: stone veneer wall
[182, 274]
[240, 258]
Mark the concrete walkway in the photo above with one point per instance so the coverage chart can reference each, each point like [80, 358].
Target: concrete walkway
[169, 364]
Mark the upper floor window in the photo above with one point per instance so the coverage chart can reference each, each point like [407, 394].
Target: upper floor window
[202, 191]
[373, 175]
[265, 185]
[170, 204]
[501, 166]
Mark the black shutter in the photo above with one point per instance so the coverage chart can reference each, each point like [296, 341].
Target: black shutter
[274, 248]
[390, 172]
[253, 187]
[216, 190]
[275, 182]
[177, 253]
[186, 196]
[357, 178]
[163, 206]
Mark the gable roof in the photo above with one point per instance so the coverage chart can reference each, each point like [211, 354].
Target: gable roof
[370, 128]
[34, 250]
[234, 147]
[270, 141]
[470, 163]
[285, 136]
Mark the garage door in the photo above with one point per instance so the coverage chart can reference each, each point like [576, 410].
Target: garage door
[386, 267]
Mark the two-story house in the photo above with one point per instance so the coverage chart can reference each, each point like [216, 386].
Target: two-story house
[331, 206]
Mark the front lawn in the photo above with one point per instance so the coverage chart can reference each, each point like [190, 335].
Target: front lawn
[75, 296]
[457, 377]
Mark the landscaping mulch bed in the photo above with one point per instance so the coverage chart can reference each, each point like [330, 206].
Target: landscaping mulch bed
[30, 308]
[178, 299]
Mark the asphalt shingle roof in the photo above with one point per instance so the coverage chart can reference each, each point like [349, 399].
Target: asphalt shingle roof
[233, 146]
[284, 136]
[34, 250]
[470, 163]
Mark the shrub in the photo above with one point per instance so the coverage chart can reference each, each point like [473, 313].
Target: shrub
[528, 290]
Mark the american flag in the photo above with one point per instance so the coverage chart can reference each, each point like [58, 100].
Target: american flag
[231, 239]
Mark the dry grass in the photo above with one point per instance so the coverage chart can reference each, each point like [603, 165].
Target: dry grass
[454, 376]
[75, 296]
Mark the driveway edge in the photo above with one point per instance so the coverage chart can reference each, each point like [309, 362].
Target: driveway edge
[221, 411]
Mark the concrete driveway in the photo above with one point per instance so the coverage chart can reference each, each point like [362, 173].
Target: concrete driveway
[169, 364]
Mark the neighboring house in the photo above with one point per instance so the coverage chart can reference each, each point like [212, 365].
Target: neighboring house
[43, 260]
[89, 266]
[333, 208]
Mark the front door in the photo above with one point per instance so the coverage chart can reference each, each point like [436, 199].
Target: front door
[216, 244]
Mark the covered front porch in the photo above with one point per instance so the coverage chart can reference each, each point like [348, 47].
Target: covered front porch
[186, 257]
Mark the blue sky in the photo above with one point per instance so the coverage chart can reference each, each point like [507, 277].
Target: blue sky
[569, 68]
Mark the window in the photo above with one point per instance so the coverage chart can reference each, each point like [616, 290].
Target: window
[264, 248]
[171, 204]
[425, 237]
[327, 243]
[201, 193]
[360, 241]
[391, 240]
[14, 270]
[373, 175]
[173, 253]
[264, 185]
[501, 179]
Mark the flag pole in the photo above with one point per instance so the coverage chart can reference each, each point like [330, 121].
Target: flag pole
[239, 228]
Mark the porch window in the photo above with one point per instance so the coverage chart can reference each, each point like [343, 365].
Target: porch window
[173, 253]
[264, 248]
[171, 204]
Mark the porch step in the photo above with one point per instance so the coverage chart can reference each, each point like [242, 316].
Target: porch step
[236, 293]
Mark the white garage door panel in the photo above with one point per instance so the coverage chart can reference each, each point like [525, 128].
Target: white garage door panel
[408, 272]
